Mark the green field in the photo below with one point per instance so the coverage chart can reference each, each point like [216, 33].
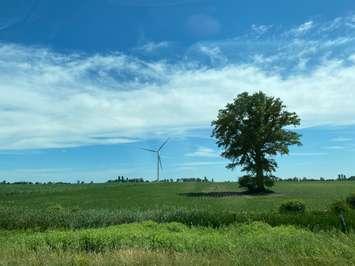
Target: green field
[108, 224]
[316, 195]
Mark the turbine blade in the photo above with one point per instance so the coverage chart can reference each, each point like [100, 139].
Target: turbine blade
[163, 144]
[161, 165]
[148, 150]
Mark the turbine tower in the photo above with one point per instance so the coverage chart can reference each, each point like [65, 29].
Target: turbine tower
[157, 152]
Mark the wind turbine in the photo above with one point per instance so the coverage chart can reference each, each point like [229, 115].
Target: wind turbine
[157, 152]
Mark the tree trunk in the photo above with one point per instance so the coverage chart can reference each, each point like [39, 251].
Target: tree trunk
[260, 187]
[260, 180]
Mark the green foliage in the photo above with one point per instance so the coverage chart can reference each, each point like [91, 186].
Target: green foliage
[244, 244]
[350, 200]
[91, 206]
[294, 206]
[76, 219]
[134, 256]
[339, 207]
[56, 225]
[249, 182]
[251, 129]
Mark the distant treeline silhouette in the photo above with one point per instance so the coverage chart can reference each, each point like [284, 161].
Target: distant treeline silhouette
[122, 179]
[38, 183]
[341, 177]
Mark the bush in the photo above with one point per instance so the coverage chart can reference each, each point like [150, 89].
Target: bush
[270, 180]
[248, 182]
[339, 207]
[292, 207]
[350, 200]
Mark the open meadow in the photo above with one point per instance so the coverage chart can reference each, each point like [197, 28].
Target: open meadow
[173, 223]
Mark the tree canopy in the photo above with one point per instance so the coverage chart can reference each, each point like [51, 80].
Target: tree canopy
[251, 130]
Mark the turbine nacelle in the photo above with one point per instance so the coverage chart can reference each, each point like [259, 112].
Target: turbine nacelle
[159, 163]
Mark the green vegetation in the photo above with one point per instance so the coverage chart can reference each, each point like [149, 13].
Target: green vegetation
[243, 244]
[174, 223]
[251, 130]
[95, 205]
[292, 207]
[350, 200]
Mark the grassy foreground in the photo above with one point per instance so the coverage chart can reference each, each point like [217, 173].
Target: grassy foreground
[172, 224]
[165, 244]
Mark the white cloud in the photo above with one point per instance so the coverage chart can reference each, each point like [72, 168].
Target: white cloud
[153, 46]
[260, 29]
[308, 153]
[305, 27]
[335, 147]
[50, 100]
[70, 174]
[203, 152]
[192, 164]
[203, 55]
[341, 139]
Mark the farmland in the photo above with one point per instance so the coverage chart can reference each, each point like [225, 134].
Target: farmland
[316, 195]
[173, 223]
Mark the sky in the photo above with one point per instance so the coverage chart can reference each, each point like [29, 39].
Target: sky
[84, 85]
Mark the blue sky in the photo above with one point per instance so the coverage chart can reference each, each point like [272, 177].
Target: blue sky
[85, 84]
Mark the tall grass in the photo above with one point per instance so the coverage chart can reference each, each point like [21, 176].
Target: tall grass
[59, 217]
[127, 257]
[244, 244]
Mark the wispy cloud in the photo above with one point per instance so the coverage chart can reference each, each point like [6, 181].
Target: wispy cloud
[191, 166]
[341, 139]
[50, 100]
[303, 28]
[203, 152]
[69, 174]
[203, 163]
[334, 147]
[152, 46]
[261, 29]
[308, 154]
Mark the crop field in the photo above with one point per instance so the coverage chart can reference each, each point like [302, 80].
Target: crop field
[173, 223]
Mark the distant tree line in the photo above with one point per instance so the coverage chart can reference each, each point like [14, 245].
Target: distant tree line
[202, 180]
[34, 183]
[119, 179]
[183, 180]
[341, 177]
[122, 179]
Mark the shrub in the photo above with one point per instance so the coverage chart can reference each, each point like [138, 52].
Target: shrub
[339, 207]
[350, 200]
[292, 207]
[248, 182]
[270, 180]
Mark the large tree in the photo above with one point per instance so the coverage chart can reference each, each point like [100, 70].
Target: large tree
[251, 130]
